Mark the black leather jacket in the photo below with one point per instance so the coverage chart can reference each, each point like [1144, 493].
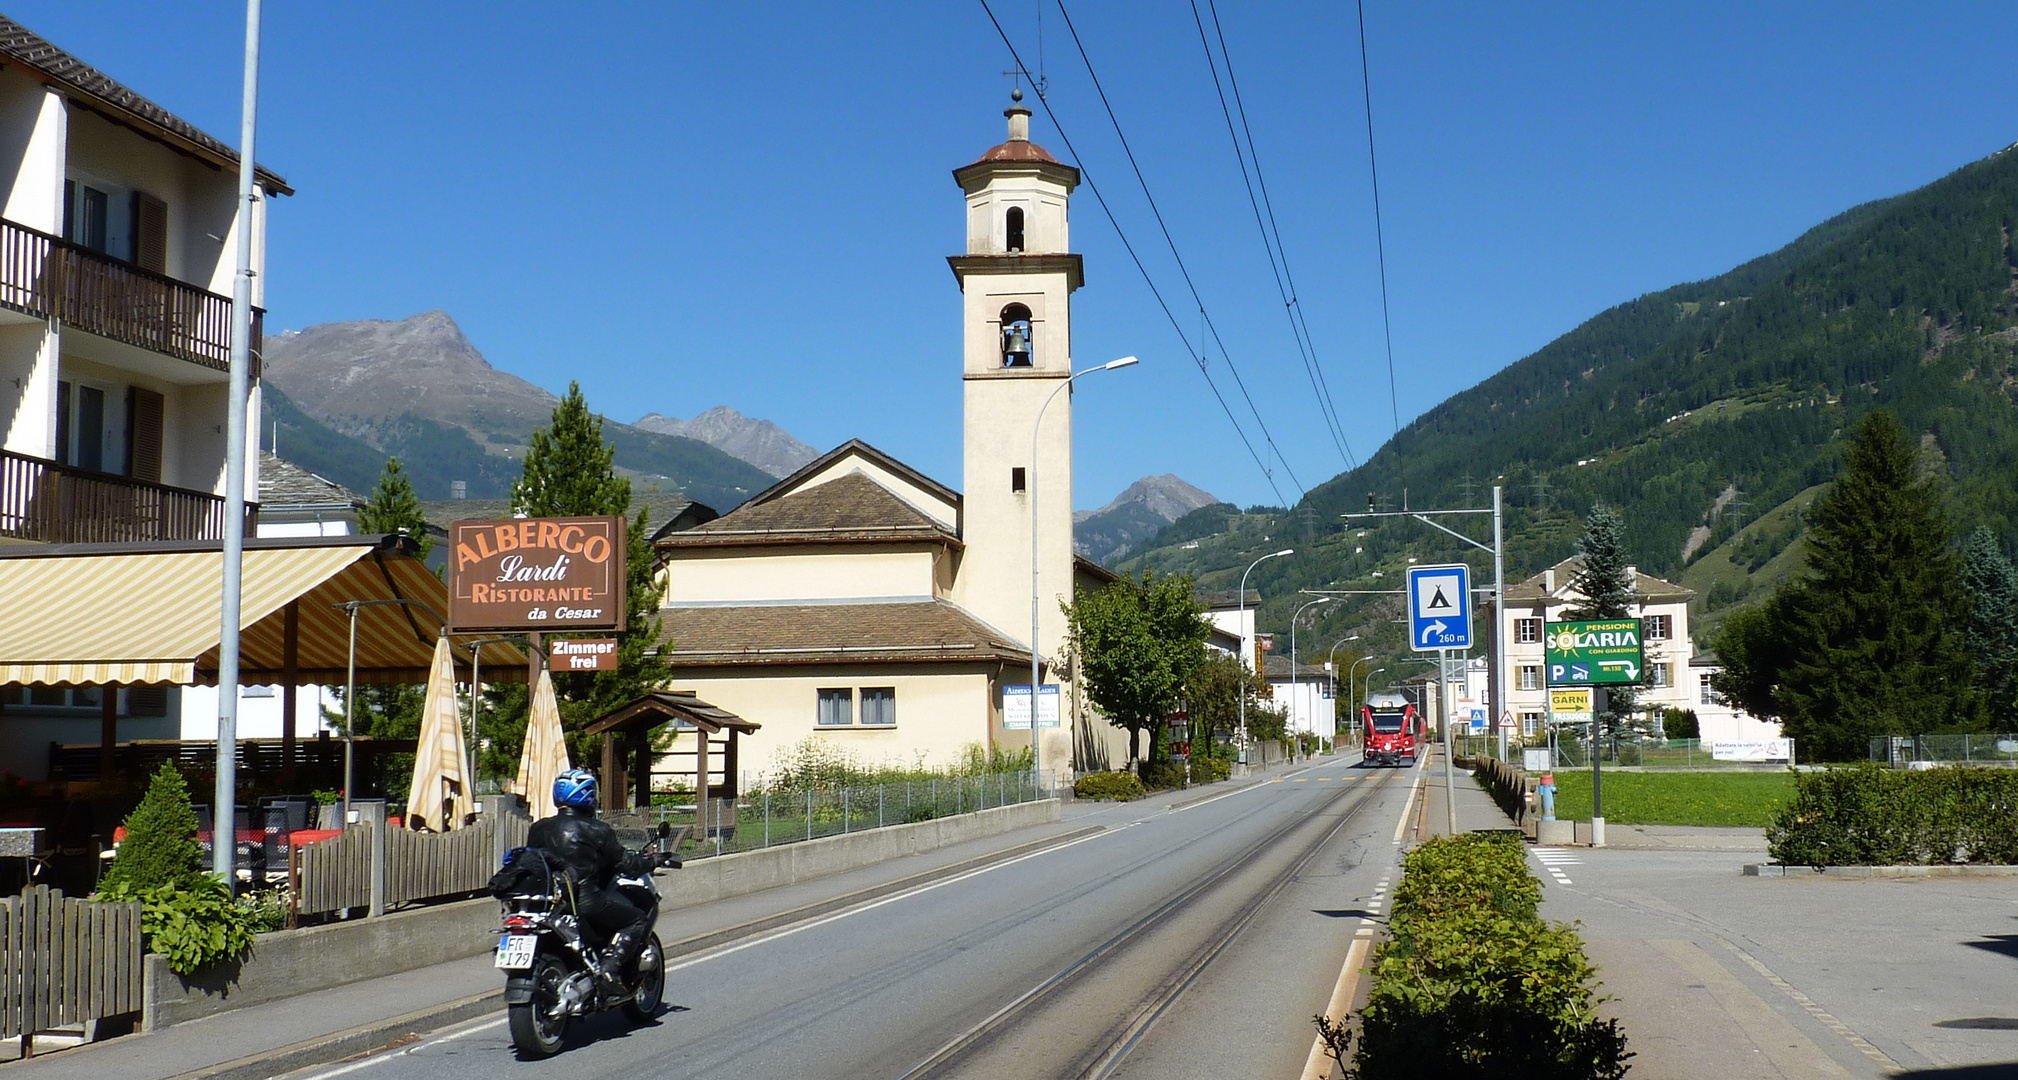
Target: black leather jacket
[589, 846]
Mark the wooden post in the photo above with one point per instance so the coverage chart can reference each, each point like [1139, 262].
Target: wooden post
[641, 768]
[108, 730]
[609, 769]
[290, 674]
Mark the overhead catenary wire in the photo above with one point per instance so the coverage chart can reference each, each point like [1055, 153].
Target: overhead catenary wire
[1380, 246]
[1225, 354]
[1086, 177]
[1271, 232]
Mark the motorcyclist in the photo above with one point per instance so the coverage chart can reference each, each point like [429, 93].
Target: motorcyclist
[591, 850]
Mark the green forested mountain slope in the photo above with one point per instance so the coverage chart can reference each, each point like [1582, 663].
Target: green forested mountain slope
[1698, 410]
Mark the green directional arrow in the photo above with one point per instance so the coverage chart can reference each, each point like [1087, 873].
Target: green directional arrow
[1595, 653]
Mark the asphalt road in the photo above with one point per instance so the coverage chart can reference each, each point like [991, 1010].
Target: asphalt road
[1191, 942]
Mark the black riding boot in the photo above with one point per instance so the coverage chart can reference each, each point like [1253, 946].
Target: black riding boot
[619, 958]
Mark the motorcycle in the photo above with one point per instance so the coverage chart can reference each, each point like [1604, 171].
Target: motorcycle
[552, 970]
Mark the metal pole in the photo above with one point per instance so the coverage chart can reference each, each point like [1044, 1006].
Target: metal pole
[1244, 644]
[1598, 704]
[349, 716]
[1502, 710]
[1296, 739]
[1443, 706]
[224, 819]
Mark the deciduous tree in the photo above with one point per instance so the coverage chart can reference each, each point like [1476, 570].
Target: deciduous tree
[1138, 641]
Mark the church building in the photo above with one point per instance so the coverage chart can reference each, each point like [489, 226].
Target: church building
[866, 603]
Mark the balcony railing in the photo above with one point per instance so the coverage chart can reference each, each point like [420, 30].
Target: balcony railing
[56, 504]
[47, 276]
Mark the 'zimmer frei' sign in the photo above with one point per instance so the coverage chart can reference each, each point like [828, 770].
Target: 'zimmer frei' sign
[536, 574]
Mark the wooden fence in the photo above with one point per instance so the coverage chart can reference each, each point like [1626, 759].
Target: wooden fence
[369, 866]
[65, 961]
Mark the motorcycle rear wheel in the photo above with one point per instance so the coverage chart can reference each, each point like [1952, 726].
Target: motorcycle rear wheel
[650, 987]
[536, 1030]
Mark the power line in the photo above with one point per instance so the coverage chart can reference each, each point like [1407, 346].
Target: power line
[1184, 271]
[1087, 176]
[1285, 281]
[1380, 245]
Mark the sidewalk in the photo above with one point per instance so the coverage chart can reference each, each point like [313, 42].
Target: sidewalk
[276, 1037]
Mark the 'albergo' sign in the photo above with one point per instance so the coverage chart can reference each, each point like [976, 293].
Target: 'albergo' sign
[537, 574]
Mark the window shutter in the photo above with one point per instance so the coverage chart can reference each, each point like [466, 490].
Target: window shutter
[143, 434]
[150, 232]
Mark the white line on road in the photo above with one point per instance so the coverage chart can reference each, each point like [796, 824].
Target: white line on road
[1413, 791]
[1552, 858]
[1318, 1065]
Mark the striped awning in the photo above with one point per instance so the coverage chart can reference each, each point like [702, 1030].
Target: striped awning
[78, 615]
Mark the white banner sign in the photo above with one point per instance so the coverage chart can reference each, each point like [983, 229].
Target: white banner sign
[1016, 707]
[1752, 750]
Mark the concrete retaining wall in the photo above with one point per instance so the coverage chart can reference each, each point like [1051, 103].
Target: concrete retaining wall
[289, 962]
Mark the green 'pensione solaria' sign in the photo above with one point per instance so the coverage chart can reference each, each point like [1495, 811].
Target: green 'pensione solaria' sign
[1600, 653]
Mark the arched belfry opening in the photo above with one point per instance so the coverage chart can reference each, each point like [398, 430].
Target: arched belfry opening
[1015, 230]
[1016, 350]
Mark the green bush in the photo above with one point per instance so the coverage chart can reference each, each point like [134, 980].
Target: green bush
[160, 846]
[1474, 984]
[1865, 815]
[1120, 786]
[1162, 775]
[191, 927]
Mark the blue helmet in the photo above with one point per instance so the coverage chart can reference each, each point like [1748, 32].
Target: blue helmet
[576, 788]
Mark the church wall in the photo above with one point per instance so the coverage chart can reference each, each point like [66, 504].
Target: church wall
[738, 576]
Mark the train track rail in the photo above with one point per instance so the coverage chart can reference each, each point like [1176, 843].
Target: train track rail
[1101, 1049]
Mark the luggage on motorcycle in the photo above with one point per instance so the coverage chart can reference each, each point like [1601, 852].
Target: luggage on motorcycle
[529, 870]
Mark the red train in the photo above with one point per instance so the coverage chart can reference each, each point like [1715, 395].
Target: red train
[1393, 729]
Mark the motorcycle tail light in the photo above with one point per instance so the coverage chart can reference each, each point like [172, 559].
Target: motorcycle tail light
[518, 924]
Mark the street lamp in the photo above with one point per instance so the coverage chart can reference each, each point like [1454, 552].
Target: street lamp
[1331, 665]
[1296, 739]
[1036, 754]
[1242, 591]
[1351, 672]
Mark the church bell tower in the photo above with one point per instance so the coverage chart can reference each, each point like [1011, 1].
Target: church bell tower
[1017, 279]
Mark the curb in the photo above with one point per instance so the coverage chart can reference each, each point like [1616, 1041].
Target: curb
[382, 1034]
[1776, 870]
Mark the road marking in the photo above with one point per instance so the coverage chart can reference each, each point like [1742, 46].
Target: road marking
[381, 1057]
[1807, 1003]
[1553, 858]
[1402, 825]
[1318, 1065]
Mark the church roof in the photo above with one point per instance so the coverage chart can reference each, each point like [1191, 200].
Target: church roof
[1017, 150]
[850, 508]
[772, 634]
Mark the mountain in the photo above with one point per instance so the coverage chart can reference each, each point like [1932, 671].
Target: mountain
[417, 389]
[1707, 413]
[1134, 516]
[759, 442]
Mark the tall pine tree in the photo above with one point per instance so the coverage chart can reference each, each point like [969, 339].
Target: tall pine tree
[570, 472]
[1875, 631]
[1606, 584]
[393, 710]
[1993, 625]
[395, 508]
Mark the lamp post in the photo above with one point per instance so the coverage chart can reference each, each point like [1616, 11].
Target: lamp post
[1296, 739]
[1036, 753]
[1331, 665]
[1351, 671]
[1243, 640]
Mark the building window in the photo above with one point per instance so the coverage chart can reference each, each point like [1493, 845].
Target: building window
[879, 706]
[51, 697]
[1708, 694]
[1527, 631]
[1531, 722]
[1657, 675]
[1658, 627]
[1018, 480]
[1016, 349]
[1531, 677]
[837, 707]
[1016, 229]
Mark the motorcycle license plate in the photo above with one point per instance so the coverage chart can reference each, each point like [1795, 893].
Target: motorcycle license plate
[515, 951]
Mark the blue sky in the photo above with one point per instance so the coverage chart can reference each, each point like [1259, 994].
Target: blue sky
[684, 205]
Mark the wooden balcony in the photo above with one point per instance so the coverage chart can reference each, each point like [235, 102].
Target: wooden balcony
[55, 504]
[50, 277]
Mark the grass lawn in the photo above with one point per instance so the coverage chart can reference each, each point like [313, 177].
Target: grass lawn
[1679, 798]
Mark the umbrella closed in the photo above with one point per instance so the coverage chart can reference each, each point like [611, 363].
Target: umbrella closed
[546, 751]
[440, 796]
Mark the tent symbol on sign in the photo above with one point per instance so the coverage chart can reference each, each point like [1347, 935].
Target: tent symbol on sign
[1438, 601]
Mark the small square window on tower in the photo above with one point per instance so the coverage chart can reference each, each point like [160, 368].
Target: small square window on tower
[1018, 479]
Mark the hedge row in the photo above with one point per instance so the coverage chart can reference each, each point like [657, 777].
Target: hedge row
[1865, 815]
[1474, 984]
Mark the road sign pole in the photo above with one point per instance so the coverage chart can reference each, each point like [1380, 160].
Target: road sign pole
[1598, 704]
[1449, 748]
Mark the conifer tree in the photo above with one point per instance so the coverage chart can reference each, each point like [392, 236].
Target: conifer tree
[570, 471]
[395, 508]
[1993, 625]
[392, 710]
[1606, 584]
[1875, 631]
[160, 846]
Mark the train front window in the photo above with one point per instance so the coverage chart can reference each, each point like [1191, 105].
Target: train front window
[1387, 723]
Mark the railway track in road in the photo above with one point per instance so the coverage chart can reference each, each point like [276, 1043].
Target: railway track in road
[1083, 1021]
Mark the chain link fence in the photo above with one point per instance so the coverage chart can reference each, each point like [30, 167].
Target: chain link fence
[1904, 751]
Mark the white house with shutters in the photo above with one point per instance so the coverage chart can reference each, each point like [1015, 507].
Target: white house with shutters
[119, 224]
